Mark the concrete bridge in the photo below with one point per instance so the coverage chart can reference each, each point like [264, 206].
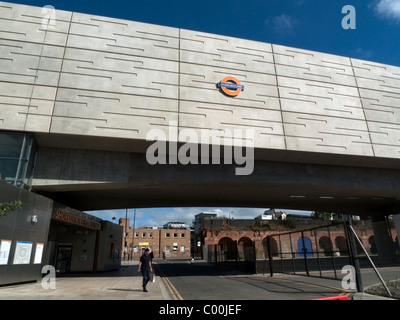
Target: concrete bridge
[325, 129]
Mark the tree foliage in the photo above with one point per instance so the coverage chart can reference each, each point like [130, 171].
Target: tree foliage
[289, 222]
[7, 207]
[321, 215]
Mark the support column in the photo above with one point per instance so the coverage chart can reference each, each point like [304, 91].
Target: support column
[383, 241]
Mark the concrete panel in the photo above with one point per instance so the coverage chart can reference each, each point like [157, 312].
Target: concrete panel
[323, 117]
[30, 63]
[15, 64]
[123, 37]
[376, 76]
[16, 23]
[304, 96]
[19, 100]
[314, 66]
[30, 24]
[265, 123]
[386, 138]
[318, 133]
[226, 52]
[321, 107]
[102, 71]
[379, 87]
[110, 114]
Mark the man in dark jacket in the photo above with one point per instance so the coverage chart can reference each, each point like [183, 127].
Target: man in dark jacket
[145, 268]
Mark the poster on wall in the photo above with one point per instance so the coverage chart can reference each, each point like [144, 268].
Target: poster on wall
[23, 251]
[5, 247]
[38, 253]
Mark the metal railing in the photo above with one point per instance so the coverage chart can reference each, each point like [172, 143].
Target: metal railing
[328, 251]
[319, 251]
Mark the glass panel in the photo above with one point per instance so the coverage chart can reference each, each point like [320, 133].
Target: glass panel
[14, 150]
[8, 169]
[10, 145]
[27, 180]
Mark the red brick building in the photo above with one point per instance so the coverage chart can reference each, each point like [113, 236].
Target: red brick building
[211, 230]
[173, 239]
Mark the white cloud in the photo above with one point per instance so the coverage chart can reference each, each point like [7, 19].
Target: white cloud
[364, 54]
[283, 24]
[389, 9]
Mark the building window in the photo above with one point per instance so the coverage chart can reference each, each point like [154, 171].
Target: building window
[136, 234]
[143, 234]
[175, 235]
[183, 235]
[175, 248]
[182, 248]
[150, 234]
[17, 158]
[167, 235]
[167, 249]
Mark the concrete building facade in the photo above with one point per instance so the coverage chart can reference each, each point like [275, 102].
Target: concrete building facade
[47, 233]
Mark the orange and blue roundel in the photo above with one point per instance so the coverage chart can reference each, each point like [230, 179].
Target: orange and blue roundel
[230, 86]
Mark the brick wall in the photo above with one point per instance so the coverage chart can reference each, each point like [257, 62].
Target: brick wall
[175, 242]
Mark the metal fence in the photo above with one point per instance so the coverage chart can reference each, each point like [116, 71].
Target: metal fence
[222, 252]
[323, 251]
[319, 251]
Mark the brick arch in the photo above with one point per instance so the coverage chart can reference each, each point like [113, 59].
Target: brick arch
[341, 244]
[245, 248]
[245, 241]
[225, 240]
[372, 243]
[325, 244]
[274, 247]
[227, 246]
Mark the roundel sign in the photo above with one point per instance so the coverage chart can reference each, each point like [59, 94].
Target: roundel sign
[230, 86]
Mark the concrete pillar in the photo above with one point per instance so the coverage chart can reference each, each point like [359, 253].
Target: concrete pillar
[383, 241]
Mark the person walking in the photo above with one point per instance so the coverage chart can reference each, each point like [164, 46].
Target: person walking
[145, 268]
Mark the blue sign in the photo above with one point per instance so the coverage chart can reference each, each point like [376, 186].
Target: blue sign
[230, 85]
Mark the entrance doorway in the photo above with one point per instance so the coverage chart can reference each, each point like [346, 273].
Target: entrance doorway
[304, 247]
[64, 256]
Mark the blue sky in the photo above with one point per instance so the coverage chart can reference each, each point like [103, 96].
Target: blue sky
[307, 24]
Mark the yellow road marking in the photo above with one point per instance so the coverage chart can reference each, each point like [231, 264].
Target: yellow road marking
[174, 292]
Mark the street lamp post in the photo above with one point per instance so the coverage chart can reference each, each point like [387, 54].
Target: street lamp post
[126, 234]
[133, 235]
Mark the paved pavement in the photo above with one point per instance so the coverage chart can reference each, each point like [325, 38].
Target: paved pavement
[124, 284]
